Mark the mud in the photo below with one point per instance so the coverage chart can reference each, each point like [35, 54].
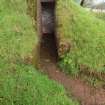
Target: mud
[81, 91]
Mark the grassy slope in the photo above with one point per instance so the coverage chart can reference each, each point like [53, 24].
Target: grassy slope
[15, 30]
[21, 84]
[100, 15]
[85, 33]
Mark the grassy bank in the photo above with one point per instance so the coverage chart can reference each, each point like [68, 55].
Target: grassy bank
[86, 35]
[23, 85]
[100, 15]
[17, 35]
[20, 83]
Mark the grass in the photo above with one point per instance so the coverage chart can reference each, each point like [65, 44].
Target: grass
[94, 82]
[86, 35]
[100, 15]
[21, 83]
[16, 30]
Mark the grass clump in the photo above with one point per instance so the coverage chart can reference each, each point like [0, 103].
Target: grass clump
[86, 35]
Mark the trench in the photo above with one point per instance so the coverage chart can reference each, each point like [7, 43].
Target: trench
[48, 48]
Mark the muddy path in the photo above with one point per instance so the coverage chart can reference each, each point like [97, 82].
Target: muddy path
[80, 90]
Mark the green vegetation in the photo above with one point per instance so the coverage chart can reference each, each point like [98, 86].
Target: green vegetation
[23, 85]
[100, 15]
[17, 35]
[32, 8]
[86, 35]
[20, 83]
[95, 82]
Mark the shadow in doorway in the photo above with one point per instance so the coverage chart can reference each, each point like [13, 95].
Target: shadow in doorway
[48, 48]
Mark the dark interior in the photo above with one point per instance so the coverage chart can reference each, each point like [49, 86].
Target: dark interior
[48, 17]
[48, 41]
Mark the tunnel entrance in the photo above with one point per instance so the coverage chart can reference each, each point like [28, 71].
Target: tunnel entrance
[48, 47]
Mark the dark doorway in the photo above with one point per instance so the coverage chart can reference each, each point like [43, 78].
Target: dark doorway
[48, 38]
[48, 17]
